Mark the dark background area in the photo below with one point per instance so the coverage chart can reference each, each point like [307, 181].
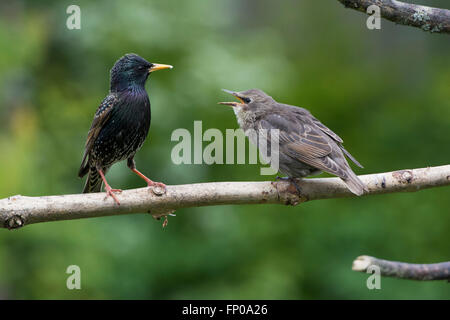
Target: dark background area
[386, 92]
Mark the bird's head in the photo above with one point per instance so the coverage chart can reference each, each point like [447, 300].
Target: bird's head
[253, 100]
[132, 69]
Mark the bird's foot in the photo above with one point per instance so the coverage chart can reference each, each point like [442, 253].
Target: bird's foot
[158, 188]
[111, 193]
[293, 181]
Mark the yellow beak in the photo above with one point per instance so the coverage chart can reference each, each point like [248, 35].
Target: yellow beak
[158, 66]
[232, 104]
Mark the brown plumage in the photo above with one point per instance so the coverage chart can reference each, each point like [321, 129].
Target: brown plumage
[306, 146]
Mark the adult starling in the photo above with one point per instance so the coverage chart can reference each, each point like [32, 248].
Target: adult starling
[120, 124]
[306, 146]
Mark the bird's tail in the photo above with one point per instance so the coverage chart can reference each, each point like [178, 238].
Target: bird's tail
[354, 184]
[93, 182]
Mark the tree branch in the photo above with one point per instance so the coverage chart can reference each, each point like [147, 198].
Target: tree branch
[17, 211]
[423, 17]
[435, 271]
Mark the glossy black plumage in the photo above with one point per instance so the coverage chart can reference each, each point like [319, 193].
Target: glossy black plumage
[306, 146]
[121, 123]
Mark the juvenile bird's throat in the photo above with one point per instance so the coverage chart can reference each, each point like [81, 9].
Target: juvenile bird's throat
[245, 118]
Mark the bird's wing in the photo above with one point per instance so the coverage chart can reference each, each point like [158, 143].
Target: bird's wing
[326, 130]
[301, 114]
[101, 116]
[305, 141]
[336, 138]
[350, 156]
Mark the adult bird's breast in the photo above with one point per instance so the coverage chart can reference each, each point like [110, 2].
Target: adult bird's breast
[126, 129]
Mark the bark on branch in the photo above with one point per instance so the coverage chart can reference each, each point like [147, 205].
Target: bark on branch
[435, 271]
[17, 211]
[423, 17]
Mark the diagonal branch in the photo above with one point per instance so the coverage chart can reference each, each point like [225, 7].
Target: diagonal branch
[423, 17]
[435, 271]
[17, 211]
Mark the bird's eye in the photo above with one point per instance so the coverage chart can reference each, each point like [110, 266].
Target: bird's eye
[141, 67]
[247, 100]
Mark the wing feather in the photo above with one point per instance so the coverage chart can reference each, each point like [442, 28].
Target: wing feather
[101, 116]
[304, 141]
[338, 139]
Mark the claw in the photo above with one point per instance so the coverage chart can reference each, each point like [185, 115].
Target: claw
[158, 188]
[292, 181]
[299, 191]
[111, 193]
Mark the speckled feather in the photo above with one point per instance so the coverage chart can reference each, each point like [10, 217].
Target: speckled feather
[121, 122]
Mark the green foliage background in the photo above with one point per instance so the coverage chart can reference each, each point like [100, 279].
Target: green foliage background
[386, 92]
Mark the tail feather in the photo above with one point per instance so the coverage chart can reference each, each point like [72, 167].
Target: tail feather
[84, 168]
[351, 157]
[354, 184]
[93, 182]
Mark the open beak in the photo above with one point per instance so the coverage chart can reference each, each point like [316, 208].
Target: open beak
[158, 66]
[232, 104]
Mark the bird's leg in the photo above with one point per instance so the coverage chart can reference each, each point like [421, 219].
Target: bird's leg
[108, 189]
[150, 183]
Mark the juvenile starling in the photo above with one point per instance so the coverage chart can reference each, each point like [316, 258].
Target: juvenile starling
[306, 146]
[120, 124]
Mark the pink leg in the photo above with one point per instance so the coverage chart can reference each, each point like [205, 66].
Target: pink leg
[150, 183]
[108, 189]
